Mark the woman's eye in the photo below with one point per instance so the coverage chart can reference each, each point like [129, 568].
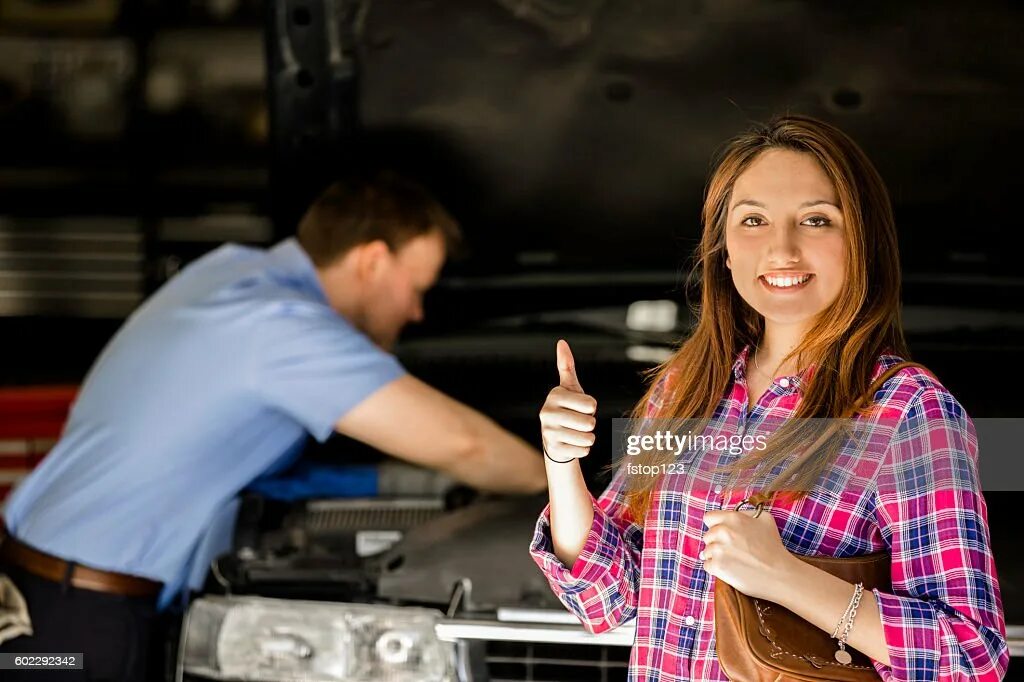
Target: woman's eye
[818, 221]
[751, 221]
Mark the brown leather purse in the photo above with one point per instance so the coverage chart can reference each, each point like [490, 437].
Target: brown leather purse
[760, 641]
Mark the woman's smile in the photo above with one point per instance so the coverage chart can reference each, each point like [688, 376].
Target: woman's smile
[778, 283]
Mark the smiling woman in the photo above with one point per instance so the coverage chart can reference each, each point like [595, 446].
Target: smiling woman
[799, 315]
[781, 242]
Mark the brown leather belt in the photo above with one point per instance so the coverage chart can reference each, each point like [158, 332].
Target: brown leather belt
[17, 553]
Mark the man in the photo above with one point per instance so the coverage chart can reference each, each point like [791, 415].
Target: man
[218, 378]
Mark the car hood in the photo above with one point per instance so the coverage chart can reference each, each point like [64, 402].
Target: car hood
[572, 135]
[485, 544]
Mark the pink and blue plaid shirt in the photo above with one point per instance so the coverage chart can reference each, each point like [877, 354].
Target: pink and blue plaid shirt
[943, 619]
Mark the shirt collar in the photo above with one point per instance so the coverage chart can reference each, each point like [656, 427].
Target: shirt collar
[292, 267]
[739, 370]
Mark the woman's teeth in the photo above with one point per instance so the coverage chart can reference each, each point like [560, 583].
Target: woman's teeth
[783, 282]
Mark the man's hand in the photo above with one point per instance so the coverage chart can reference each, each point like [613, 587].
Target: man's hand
[568, 416]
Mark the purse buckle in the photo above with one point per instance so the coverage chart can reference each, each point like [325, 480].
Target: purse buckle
[755, 501]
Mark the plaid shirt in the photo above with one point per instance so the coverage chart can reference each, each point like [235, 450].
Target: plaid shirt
[943, 619]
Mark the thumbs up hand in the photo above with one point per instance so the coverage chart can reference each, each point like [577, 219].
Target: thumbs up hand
[567, 418]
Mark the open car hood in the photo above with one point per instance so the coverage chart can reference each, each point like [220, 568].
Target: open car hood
[578, 134]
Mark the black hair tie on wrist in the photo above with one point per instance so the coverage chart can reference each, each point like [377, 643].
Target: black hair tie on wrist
[545, 451]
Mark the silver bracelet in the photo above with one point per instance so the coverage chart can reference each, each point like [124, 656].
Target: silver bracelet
[842, 655]
[846, 613]
[853, 614]
[842, 619]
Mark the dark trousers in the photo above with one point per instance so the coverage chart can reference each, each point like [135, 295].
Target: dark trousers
[112, 632]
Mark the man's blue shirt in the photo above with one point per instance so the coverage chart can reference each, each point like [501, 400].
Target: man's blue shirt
[213, 381]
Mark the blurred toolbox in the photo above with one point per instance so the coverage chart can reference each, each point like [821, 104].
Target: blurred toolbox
[31, 420]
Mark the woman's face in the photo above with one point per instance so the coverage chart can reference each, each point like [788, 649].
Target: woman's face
[784, 238]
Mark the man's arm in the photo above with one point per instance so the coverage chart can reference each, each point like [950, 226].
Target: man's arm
[415, 422]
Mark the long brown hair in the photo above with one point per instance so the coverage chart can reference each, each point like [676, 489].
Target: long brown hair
[845, 341]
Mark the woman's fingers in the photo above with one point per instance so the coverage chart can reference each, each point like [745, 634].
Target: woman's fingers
[569, 419]
[564, 436]
[570, 400]
[561, 450]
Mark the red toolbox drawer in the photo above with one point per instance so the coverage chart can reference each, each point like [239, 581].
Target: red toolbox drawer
[31, 420]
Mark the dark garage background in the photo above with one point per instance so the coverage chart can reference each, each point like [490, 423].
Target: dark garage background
[572, 139]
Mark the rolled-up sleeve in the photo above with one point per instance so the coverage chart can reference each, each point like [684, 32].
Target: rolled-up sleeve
[943, 619]
[603, 585]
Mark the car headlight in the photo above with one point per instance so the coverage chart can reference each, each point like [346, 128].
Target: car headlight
[280, 640]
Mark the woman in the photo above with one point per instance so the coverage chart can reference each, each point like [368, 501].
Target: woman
[799, 313]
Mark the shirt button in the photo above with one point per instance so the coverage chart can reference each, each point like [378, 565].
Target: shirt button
[718, 489]
[690, 620]
[784, 382]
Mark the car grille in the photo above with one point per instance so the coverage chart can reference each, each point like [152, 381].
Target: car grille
[336, 516]
[533, 662]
